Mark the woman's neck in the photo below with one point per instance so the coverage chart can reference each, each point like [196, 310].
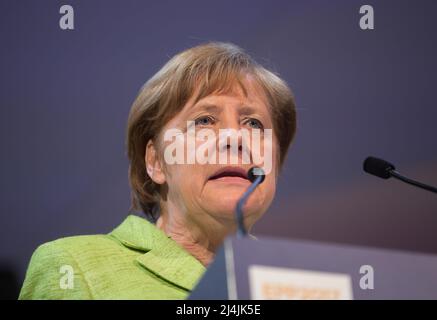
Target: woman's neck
[201, 239]
[195, 243]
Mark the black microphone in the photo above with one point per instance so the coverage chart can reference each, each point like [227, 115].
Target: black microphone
[256, 176]
[385, 170]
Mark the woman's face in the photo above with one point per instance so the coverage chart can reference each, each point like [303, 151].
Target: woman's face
[206, 190]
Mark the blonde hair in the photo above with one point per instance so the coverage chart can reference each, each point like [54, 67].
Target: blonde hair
[204, 69]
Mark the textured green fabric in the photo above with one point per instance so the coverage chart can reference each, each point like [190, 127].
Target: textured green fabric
[135, 261]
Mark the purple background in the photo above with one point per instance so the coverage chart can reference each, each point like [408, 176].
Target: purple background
[65, 97]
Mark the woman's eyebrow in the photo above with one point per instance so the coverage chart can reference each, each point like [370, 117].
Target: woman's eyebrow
[250, 110]
[212, 108]
[245, 110]
[208, 107]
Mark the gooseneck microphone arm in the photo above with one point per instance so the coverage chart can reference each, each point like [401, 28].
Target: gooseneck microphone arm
[421, 185]
[385, 170]
[256, 176]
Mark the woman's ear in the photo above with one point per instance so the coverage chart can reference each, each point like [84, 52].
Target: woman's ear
[153, 165]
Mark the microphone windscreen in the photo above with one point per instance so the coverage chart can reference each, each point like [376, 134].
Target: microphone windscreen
[378, 167]
[255, 172]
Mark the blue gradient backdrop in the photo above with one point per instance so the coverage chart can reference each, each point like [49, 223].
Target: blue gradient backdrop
[65, 97]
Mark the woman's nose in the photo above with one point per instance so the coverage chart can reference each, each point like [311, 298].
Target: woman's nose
[230, 121]
[231, 139]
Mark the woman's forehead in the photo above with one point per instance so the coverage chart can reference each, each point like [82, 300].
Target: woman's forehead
[248, 93]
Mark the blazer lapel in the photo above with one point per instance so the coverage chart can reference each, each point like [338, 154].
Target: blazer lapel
[163, 256]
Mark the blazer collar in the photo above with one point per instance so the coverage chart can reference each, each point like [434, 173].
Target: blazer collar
[163, 255]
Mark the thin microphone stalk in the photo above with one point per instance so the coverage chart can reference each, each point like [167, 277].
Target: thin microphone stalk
[256, 176]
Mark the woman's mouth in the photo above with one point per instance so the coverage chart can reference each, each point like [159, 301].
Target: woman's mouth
[230, 175]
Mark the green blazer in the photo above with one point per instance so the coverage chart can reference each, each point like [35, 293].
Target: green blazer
[135, 261]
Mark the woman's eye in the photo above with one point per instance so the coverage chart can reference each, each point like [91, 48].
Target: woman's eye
[204, 121]
[254, 123]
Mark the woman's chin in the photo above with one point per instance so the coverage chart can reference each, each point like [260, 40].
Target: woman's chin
[225, 207]
[221, 198]
[227, 188]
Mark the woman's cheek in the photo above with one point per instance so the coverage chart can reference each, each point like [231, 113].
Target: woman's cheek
[269, 191]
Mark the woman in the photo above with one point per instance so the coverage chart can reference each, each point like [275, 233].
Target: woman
[215, 89]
